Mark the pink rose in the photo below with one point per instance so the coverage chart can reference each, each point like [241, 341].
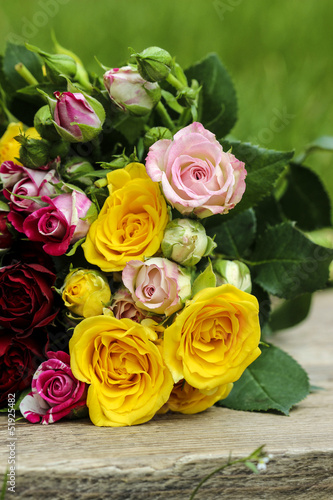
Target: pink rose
[27, 182]
[197, 176]
[157, 285]
[129, 91]
[77, 118]
[59, 224]
[55, 392]
[123, 306]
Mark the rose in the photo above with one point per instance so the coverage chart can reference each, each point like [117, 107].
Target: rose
[128, 377]
[19, 359]
[129, 91]
[55, 392]
[157, 285]
[9, 147]
[131, 223]
[77, 117]
[33, 183]
[26, 298]
[60, 223]
[123, 306]
[233, 272]
[85, 292]
[186, 399]
[185, 241]
[214, 338]
[5, 236]
[197, 176]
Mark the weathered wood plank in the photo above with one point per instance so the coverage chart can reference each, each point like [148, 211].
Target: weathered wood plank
[168, 456]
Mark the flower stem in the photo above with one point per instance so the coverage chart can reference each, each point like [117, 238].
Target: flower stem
[174, 81]
[166, 119]
[25, 73]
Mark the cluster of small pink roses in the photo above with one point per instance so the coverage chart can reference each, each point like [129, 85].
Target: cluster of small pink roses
[156, 338]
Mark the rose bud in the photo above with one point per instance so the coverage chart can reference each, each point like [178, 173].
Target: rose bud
[9, 147]
[233, 272]
[60, 223]
[55, 392]
[157, 285]
[75, 171]
[154, 63]
[6, 237]
[156, 134]
[185, 241]
[56, 65]
[43, 123]
[129, 91]
[77, 117]
[85, 292]
[34, 153]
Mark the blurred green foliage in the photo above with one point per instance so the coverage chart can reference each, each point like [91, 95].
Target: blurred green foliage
[278, 53]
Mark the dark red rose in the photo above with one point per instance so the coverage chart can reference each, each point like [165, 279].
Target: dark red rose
[19, 359]
[5, 236]
[26, 298]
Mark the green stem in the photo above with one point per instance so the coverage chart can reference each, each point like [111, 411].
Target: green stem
[229, 464]
[25, 73]
[165, 116]
[174, 82]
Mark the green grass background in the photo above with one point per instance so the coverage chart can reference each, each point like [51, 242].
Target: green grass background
[278, 52]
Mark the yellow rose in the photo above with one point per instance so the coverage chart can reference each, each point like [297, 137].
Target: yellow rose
[85, 292]
[9, 147]
[186, 399]
[131, 223]
[128, 379]
[214, 338]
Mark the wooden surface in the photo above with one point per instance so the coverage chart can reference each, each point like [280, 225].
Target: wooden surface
[167, 457]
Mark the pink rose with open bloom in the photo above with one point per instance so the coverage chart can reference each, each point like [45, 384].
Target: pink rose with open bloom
[157, 285]
[60, 223]
[55, 392]
[197, 176]
[22, 181]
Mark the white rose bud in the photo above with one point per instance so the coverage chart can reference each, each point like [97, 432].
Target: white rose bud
[233, 272]
[186, 242]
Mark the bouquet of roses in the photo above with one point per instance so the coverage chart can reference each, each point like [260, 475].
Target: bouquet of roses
[142, 246]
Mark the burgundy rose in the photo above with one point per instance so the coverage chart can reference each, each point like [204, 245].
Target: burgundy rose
[55, 392]
[5, 236]
[26, 298]
[19, 359]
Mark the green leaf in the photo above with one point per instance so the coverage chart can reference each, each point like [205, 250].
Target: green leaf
[234, 236]
[290, 312]
[264, 167]
[206, 279]
[323, 143]
[217, 100]
[268, 213]
[15, 54]
[274, 381]
[74, 247]
[305, 199]
[286, 263]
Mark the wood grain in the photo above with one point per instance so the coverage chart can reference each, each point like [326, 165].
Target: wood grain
[167, 457]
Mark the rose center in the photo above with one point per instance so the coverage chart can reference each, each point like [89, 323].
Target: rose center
[149, 291]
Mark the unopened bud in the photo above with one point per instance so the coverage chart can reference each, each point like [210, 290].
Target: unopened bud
[233, 272]
[154, 63]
